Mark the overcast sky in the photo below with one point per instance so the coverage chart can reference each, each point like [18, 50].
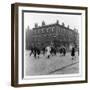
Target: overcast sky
[74, 21]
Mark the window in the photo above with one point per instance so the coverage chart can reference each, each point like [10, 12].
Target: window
[42, 30]
[52, 29]
[47, 29]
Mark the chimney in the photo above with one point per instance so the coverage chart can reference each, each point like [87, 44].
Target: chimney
[43, 23]
[57, 22]
[68, 26]
[63, 24]
[36, 25]
[75, 30]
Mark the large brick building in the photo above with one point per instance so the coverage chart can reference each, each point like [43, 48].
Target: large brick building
[55, 34]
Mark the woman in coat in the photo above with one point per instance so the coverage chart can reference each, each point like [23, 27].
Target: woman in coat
[73, 53]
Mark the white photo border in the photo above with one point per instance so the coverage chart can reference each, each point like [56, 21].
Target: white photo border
[51, 78]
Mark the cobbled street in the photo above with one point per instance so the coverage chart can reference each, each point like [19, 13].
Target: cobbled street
[55, 65]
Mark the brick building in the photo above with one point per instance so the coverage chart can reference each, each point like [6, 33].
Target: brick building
[56, 34]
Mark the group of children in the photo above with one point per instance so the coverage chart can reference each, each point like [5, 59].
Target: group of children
[52, 51]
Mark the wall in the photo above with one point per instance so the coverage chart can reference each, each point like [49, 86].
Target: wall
[5, 45]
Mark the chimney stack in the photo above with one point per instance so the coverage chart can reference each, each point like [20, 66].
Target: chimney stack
[36, 25]
[43, 23]
[68, 26]
[63, 24]
[57, 22]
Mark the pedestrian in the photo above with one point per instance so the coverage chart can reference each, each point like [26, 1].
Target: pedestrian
[52, 51]
[55, 52]
[64, 51]
[35, 52]
[31, 51]
[60, 50]
[78, 51]
[43, 49]
[73, 53]
[38, 52]
[48, 49]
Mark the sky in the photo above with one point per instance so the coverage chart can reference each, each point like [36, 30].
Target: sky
[74, 21]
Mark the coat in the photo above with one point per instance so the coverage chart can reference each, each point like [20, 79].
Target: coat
[48, 50]
[73, 52]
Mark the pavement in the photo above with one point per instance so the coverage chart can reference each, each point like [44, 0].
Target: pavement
[55, 65]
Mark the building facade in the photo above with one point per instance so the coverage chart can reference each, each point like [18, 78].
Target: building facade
[56, 34]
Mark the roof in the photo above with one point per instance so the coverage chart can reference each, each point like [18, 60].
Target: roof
[51, 25]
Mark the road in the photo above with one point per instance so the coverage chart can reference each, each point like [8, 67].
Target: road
[55, 65]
